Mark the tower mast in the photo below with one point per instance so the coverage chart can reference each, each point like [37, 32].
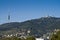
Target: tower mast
[9, 17]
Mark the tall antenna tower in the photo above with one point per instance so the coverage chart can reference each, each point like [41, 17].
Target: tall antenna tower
[8, 16]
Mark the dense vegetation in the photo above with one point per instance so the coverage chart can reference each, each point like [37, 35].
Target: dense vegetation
[16, 38]
[55, 36]
[36, 26]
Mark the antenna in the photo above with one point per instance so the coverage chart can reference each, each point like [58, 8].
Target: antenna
[8, 16]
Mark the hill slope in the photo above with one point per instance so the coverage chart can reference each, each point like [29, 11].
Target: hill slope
[36, 26]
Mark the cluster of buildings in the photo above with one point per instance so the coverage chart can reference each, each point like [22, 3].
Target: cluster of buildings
[21, 34]
[24, 35]
[48, 35]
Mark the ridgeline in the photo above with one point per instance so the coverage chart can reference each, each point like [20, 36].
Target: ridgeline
[38, 26]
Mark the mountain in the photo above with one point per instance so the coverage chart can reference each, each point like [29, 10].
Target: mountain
[38, 26]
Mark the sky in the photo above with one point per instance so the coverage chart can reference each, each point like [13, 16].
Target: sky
[23, 10]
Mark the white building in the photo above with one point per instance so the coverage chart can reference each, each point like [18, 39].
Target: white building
[39, 39]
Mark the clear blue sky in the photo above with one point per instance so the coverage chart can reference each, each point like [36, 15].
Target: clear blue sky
[22, 10]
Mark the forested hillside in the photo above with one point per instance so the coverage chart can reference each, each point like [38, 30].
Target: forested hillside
[36, 26]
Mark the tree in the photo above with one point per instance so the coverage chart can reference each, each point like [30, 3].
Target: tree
[55, 36]
[30, 38]
[11, 38]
